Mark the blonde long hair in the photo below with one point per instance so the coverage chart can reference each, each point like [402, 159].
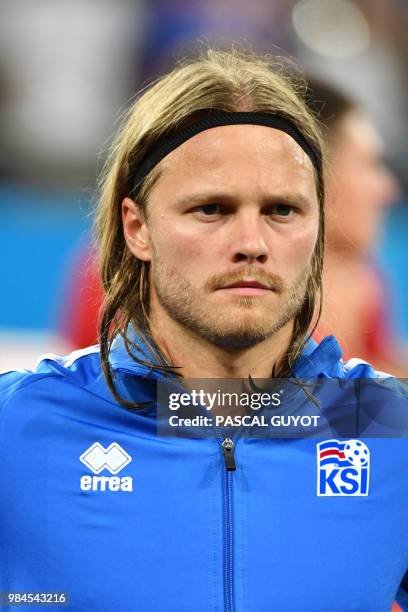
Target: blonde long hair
[219, 80]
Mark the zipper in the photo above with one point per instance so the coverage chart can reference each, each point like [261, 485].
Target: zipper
[228, 448]
[229, 458]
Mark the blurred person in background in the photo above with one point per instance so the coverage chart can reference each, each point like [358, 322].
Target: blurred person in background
[360, 189]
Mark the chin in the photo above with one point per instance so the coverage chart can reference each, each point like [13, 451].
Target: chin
[236, 341]
[240, 336]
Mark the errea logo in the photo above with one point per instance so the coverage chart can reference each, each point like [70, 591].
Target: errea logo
[114, 459]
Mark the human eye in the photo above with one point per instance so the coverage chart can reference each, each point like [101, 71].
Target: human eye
[281, 210]
[208, 210]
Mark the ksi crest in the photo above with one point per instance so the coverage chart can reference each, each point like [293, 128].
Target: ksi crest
[343, 468]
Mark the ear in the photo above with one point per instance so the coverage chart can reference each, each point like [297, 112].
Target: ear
[135, 230]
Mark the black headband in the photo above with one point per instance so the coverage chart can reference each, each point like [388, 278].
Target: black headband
[169, 142]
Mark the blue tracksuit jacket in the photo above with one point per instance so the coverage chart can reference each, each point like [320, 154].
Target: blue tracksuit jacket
[95, 504]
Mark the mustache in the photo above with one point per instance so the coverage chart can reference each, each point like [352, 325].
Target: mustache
[271, 281]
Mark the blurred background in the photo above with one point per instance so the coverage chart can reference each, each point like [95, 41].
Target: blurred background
[68, 70]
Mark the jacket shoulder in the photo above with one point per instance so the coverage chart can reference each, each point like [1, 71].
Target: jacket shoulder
[78, 368]
[358, 368]
[377, 385]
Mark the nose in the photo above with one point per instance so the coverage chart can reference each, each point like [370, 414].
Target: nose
[247, 239]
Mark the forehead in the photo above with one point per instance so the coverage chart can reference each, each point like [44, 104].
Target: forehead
[244, 155]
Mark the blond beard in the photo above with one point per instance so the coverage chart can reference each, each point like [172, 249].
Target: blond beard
[243, 325]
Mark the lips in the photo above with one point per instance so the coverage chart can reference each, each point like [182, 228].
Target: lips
[247, 288]
[246, 284]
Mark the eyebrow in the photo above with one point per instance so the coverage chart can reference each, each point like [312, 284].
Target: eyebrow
[202, 197]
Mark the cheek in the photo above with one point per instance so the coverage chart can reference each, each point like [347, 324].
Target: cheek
[296, 252]
[183, 252]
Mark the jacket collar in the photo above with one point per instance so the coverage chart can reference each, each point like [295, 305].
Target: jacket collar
[121, 361]
[315, 360]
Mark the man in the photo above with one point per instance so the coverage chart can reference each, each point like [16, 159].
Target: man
[211, 238]
[359, 190]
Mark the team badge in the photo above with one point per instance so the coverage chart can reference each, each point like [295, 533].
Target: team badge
[343, 468]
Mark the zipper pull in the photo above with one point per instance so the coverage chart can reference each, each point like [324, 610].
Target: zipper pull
[228, 448]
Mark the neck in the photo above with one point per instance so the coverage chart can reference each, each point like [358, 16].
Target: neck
[199, 358]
